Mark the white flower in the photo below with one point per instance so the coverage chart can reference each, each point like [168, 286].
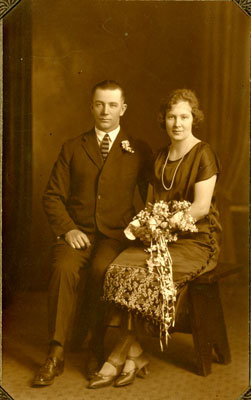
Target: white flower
[128, 231]
[176, 219]
[152, 223]
[125, 144]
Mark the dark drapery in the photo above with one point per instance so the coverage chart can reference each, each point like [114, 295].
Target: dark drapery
[17, 146]
[226, 98]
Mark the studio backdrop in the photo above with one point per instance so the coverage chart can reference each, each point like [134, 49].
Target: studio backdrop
[56, 51]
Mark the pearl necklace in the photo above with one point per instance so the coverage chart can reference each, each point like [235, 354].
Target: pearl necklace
[176, 169]
[174, 175]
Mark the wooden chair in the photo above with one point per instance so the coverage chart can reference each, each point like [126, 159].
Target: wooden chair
[206, 319]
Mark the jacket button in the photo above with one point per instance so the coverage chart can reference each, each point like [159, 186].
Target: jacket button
[210, 236]
[99, 197]
[212, 241]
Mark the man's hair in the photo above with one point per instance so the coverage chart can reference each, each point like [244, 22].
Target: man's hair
[175, 97]
[108, 84]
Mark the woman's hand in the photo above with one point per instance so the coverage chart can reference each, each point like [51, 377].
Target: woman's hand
[174, 221]
[203, 193]
[77, 239]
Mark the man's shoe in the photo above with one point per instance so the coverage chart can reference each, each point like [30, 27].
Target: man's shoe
[94, 364]
[47, 372]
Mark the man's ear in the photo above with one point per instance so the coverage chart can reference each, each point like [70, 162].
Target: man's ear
[124, 107]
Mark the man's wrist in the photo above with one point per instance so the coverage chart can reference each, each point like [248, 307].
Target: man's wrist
[62, 235]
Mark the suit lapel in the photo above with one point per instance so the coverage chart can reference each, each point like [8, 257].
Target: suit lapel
[90, 144]
[116, 150]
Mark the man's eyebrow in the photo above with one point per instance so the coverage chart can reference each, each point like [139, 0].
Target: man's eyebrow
[110, 102]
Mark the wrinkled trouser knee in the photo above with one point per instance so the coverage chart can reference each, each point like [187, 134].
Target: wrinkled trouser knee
[65, 266]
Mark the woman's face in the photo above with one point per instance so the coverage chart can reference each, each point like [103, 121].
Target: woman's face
[179, 121]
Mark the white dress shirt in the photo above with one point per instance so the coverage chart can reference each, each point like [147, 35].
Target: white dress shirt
[112, 136]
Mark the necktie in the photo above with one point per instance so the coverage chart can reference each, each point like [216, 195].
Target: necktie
[104, 147]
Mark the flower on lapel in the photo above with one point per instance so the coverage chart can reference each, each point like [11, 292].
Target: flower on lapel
[125, 144]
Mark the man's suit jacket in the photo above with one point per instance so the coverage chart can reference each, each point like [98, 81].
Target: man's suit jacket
[86, 193]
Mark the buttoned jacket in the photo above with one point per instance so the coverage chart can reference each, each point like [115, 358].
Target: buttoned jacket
[86, 193]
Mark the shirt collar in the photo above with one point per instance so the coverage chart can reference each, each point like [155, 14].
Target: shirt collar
[112, 135]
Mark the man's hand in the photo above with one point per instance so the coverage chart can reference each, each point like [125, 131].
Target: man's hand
[77, 239]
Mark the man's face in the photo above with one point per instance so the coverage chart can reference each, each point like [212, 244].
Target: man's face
[107, 108]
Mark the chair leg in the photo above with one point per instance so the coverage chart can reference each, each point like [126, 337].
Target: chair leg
[198, 308]
[208, 325]
[219, 334]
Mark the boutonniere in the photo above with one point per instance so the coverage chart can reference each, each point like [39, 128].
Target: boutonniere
[125, 144]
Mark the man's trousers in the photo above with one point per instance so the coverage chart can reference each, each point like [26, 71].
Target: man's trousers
[63, 287]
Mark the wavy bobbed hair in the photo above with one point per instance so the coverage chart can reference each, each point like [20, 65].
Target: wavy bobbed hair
[175, 97]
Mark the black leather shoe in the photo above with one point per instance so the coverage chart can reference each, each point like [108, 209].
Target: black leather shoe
[47, 372]
[94, 364]
[99, 380]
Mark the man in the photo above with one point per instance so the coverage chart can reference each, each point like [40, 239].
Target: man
[89, 202]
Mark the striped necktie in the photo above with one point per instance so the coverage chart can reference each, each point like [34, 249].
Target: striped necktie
[104, 147]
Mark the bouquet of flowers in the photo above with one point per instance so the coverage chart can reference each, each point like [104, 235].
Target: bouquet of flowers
[156, 226]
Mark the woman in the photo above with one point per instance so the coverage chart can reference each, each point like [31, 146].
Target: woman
[186, 170]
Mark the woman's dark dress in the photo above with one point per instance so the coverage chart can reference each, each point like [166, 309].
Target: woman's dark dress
[193, 253]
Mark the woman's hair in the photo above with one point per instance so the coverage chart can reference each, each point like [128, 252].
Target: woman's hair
[175, 97]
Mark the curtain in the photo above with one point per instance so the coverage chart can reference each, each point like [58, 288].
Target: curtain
[226, 99]
[17, 146]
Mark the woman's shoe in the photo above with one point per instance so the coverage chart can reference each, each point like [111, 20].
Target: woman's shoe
[99, 380]
[140, 369]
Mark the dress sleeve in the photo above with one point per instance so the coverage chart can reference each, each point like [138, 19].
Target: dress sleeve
[209, 165]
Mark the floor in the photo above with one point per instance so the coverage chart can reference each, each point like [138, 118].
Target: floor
[172, 374]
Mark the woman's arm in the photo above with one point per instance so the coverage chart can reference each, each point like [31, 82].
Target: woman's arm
[203, 192]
